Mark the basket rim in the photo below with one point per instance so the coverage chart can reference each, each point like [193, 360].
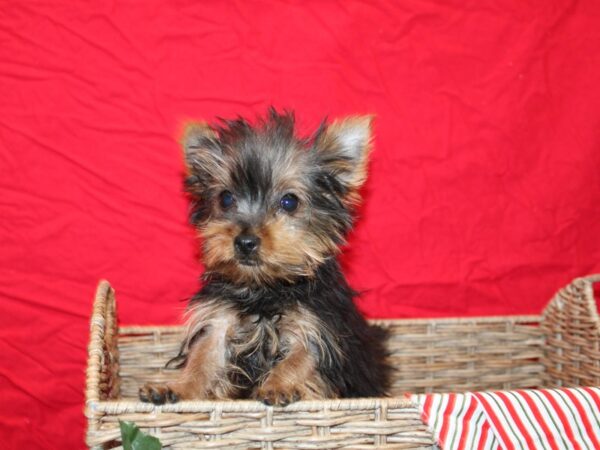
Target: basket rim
[525, 318]
[101, 305]
[586, 284]
[249, 406]
[592, 305]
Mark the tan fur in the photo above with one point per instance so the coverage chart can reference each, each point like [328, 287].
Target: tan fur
[355, 172]
[296, 376]
[205, 373]
[218, 243]
[194, 130]
[288, 248]
[302, 326]
[297, 342]
[287, 251]
[200, 159]
[299, 335]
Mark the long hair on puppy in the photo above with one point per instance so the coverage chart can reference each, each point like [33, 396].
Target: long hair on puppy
[275, 318]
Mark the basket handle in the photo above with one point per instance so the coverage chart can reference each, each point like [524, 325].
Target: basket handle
[571, 327]
[576, 295]
[103, 356]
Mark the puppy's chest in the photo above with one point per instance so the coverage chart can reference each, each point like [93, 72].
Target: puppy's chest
[259, 337]
[255, 346]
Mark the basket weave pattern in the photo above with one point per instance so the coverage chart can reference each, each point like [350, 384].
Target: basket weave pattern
[559, 348]
[572, 328]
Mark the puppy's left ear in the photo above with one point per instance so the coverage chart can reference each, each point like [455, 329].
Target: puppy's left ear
[200, 148]
[343, 149]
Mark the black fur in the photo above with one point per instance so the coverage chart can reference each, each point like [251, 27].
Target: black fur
[360, 370]
[250, 152]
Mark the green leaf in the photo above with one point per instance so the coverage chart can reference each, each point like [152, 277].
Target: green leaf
[128, 433]
[134, 439]
[145, 442]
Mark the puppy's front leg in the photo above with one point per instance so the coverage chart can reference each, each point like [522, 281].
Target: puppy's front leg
[204, 375]
[294, 378]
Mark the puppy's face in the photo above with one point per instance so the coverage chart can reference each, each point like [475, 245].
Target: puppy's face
[271, 206]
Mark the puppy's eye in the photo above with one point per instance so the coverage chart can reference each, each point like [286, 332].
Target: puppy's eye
[226, 200]
[289, 203]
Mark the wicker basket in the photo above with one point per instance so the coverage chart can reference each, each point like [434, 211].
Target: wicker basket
[559, 348]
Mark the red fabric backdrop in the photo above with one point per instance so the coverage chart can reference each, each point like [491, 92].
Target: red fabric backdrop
[484, 188]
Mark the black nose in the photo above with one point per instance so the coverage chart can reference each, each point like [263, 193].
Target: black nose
[246, 244]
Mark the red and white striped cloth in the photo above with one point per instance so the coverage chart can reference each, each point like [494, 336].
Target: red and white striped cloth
[553, 419]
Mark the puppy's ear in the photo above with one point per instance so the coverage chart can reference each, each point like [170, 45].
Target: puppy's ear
[342, 150]
[202, 152]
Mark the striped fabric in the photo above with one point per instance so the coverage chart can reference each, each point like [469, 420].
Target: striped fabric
[525, 419]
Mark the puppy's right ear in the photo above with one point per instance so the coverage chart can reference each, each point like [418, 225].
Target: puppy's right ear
[202, 152]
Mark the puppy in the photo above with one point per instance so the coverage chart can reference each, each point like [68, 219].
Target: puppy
[275, 319]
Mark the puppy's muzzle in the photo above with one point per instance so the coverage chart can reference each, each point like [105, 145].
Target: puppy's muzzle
[246, 247]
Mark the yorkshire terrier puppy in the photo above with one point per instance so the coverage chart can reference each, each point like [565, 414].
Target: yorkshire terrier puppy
[275, 318]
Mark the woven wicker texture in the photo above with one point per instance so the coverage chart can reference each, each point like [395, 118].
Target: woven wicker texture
[572, 328]
[559, 348]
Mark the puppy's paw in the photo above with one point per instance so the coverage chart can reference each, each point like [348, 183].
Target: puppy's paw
[158, 393]
[277, 394]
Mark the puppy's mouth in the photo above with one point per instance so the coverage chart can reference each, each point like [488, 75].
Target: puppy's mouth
[248, 262]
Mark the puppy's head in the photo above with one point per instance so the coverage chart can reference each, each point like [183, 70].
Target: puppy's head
[272, 206]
